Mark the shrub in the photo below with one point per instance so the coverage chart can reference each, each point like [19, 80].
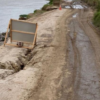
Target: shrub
[45, 6]
[24, 16]
[48, 4]
[51, 2]
[35, 11]
[96, 19]
[98, 6]
[91, 2]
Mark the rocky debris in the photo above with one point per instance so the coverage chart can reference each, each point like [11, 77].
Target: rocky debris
[12, 58]
[51, 8]
[22, 18]
[40, 65]
[2, 36]
[5, 73]
[56, 2]
[36, 55]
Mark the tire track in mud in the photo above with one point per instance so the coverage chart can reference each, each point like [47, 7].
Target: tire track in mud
[74, 61]
[86, 79]
[74, 56]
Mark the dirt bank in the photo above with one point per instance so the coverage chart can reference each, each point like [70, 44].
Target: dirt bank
[44, 75]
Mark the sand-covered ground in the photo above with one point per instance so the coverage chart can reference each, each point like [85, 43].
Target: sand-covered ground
[65, 64]
[41, 76]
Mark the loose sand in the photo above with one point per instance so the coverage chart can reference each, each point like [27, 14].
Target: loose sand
[41, 77]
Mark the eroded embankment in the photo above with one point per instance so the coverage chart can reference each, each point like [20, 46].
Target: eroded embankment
[83, 53]
[12, 60]
[43, 76]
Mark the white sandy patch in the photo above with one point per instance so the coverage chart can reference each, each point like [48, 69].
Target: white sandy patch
[75, 15]
[68, 7]
[77, 7]
[68, 0]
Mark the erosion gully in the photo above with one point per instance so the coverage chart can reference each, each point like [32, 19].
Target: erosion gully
[82, 59]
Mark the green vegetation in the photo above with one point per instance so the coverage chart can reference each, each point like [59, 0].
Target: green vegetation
[91, 2]
[98, 6]
[47, 5]
[51, 1]
[95, 4]
[96, 19]
[37, 12]
[24, 16]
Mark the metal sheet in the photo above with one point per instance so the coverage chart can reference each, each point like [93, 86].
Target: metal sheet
[22, 37]
[23, 26]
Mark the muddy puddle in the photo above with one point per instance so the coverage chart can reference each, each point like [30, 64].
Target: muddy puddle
[71, 4]
[75, 6]
[82, 58]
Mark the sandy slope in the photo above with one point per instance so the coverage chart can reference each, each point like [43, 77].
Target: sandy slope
[44, 75]
[65, 64]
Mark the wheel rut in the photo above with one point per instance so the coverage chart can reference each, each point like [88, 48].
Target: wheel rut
[82, 58]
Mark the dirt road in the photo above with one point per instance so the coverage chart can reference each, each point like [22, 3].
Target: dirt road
[65, 64]
[57, 83]
[72, 71]
[84, 57]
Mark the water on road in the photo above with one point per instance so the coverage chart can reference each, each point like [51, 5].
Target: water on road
[87, 86]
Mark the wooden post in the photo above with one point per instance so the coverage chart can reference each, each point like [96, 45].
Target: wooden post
[10, 30]
[36, 34]
[34, 42]
[7, 33]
